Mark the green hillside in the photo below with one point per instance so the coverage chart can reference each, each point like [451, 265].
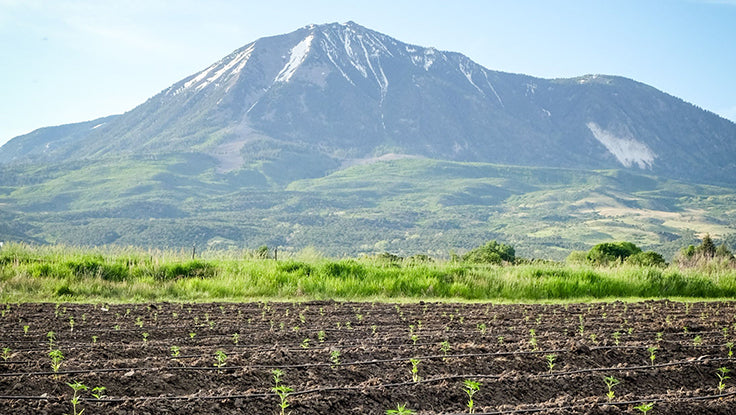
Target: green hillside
[404, 206]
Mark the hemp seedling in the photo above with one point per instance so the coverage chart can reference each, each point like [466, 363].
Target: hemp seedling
[321, 336]
[51, 336]
[220, 358]
[645, 407]
[400, 410]
[471, 387]
[99, 392]
[444, 348]
[415, 370]
[610, 383]
[236, 338]
[335, 358]
[77, 386]
[25, 330]
[281, 390]
[175, 351]
[722, 378]
[145, 338]
[56, 358]
[305, 343]
[6, 353]
[550, 361]
[729, 345]
[652, 353]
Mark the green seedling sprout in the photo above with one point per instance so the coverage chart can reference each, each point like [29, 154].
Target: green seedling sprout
[444, 348]
[56, 358]
[533, 339]
[729, 345]
[471, 387]
[236, 338]
[192, 334]
[71, 323]
[145, 338]
[617, 338]
[281, 390]
[400, 410]
[698, 340]
[414, 339]
[51, 336]
[94, 339]
[415, 370]
[652, 353]
[6, 353]
[610, 383]
[645, 407]
[220, 358]
[305, 343]
[721, 373]
[321, 336]
[175, 351]
[481, 328]
[550, 361]
[78, 387]
[99, 392]
[335, 358]
[25, 330]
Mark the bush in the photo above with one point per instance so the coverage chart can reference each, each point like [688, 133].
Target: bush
[608, 252]
[647, 259]
[491, 253]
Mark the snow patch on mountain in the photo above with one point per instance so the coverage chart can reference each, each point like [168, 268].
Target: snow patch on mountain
[297, 55]
[627, 150]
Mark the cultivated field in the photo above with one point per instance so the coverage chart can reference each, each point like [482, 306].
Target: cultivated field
[367, 358]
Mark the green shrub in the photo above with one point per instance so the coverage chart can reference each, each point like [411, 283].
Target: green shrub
[609, 252]
[647, 259]
[491, 253]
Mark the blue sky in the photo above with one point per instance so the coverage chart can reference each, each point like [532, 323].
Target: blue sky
[64, 61]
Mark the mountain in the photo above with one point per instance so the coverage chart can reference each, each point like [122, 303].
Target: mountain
[334, 92]
[227, 154]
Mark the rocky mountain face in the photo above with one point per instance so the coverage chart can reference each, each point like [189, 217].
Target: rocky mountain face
[330, 93]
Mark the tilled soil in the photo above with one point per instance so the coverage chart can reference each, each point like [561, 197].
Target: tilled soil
[355, 358]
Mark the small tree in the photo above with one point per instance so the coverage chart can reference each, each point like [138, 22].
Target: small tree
[707, 247]
[647, 259]
[491, 253]
[608, 252]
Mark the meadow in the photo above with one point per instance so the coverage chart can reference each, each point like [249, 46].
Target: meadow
[64, 274]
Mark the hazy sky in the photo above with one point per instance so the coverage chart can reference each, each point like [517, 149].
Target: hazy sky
[64, 61]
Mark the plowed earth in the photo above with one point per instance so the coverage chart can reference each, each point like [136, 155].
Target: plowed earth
[128, 350]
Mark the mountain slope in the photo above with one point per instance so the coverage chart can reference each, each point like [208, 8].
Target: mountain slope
[336, 92]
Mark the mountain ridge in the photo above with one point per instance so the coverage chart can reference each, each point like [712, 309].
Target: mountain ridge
[342, 91]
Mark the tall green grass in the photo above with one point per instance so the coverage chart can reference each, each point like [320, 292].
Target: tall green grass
[52, 273]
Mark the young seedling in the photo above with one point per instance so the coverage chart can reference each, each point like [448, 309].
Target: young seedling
[175, 351]
[415, 370]
[305, 343]
[444, 348]
[481, 328]
[617, 338]
[335, 358]
[56, 358]
[698, 340]
[99, 392]
[550, 361]
[321, 336]
[236, 338]
[220, 358]
[400, 410]
[652, 353]
[533, 339]
[610, 383]
[78, 387]
[722, 378]
[51, 336]
[6, 353]
[281, 390]
[645, 407]
[25, 330]
[414, 339]
[71, 323]
[192, 334]
[145, 338]
[729, 345]
[94, 339]
[471, 387]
